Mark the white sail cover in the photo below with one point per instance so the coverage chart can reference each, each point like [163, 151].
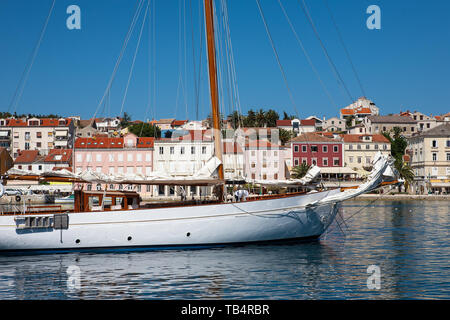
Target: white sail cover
[383, 170]
[310, 175]
[205, 173]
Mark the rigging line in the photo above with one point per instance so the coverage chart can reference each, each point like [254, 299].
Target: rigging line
[185, 55]
[134, 57]
[330, 61]
[193, 57]
[200, 61]
[154, 59]
[276, 56]
[26, 72]
[149, 72]
[119, 59]
[308, 58]
[231, 57]
[341, 39]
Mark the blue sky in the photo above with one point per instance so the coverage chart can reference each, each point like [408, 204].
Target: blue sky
[405, 65]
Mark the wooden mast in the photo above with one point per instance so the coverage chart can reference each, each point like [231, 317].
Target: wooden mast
[209, 18]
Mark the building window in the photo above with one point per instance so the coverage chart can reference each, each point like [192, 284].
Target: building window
[89, 187]
[172, 150]
[324, 149]
[295, 162]
[39, 135]
[367, 160]
[448, 156]
[376, 147]
[181, 150]
[350, 147]
[350, 159]
[335, 149]
[434, 144]
[203, 150]
[325, 162]
[314, 161]
[434, 156]
[27, 146]
[359, 159]
[296, 148]
[336, 162]
[275, 176]
[367, 146]
[192, 150]
[161, 150]
[303, 148]
[384, 146]
[314, 149]
[359, 147]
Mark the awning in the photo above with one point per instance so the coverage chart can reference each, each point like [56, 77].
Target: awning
[440, 184]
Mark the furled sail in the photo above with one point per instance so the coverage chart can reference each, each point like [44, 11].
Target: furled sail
[204, 176]
[383, 171]
[309, 177]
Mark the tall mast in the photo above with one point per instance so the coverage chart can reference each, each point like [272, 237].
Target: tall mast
[209, 18]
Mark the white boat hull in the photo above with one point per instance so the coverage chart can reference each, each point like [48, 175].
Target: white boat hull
[204, 225]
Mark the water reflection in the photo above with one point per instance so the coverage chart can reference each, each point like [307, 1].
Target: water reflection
[402, 238]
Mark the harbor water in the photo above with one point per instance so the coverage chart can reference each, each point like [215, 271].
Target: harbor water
[406, 242]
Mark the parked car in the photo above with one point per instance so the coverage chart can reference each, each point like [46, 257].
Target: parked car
[13, 192]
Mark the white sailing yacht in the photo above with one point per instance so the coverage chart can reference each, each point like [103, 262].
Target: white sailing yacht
[124, 224]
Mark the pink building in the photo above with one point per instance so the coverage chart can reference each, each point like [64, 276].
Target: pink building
[128, 154]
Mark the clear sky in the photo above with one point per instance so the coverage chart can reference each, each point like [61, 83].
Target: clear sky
[405, 65]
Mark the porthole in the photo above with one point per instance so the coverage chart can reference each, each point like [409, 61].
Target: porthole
[129, 238]
[77, 241]
[188, 234]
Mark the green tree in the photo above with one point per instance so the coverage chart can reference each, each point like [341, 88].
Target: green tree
[398, 142]
[405, 172]
[300, 171]
[125, 122]
[285, 135]
[145, 130]
[271, 118]
[348, 121]
[260, 118]
[250, 120]
[287, 117]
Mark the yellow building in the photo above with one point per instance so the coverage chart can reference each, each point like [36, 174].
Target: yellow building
[430, 160]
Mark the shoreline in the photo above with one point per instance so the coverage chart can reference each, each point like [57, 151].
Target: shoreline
[433, 197]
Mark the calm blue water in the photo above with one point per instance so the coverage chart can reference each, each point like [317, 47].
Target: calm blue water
[408, 240]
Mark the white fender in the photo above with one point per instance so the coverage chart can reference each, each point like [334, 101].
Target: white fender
[2, 190]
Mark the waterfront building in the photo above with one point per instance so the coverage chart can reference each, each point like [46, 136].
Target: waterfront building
[233, 161]
[86, 129]
[379, 124]
[183, 156]
[429, 153]
[115, 156]
[360, 149]
[264, 160]
[334, 124]
[318, 122]
[323, 150]
[108, 125]
[359, 109]
[38, 134]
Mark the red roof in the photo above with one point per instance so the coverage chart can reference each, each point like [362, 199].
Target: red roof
[284, 123]
[308, 122]
[358, 138]
[313, 137]
[27, 156]
[99, 143]
[347, 111]
[179, 122]
[145, 142]
[44, 122]
[53, 155]
[364, 111]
